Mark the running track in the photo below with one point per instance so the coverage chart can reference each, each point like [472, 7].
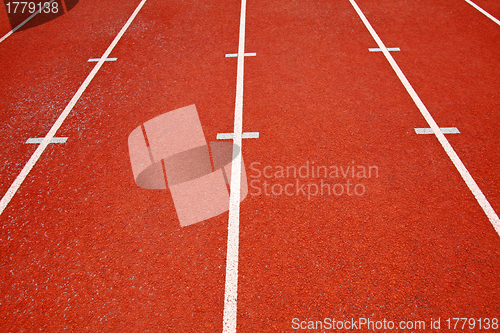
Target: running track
[83, 248]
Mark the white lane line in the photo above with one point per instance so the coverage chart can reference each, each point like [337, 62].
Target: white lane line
[491, 17]
[445, 130]
[235, 55]
[52, 132]
[53, 140]
[245, 135]
[471, 183]
[233, 227]
[97, 59]
[376, 49]
[26, 21]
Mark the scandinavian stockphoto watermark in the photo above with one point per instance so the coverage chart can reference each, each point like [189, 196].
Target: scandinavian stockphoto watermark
[310, 180]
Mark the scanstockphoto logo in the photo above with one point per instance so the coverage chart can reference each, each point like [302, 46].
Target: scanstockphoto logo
[170, 150]
[310, 180]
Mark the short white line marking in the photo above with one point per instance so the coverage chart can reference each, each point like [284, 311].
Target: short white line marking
[491, 17]
[25, 21]
[445, 130]
[97, 59]
[245, 135]
[471, 183]
[53, 140]
[376, 49]
[46, 141]
[235, 55]
[233, 227]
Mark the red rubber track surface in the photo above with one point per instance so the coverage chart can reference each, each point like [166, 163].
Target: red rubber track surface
[416, 245]
[83, 248]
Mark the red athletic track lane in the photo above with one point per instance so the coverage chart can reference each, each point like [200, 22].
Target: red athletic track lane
[84, 249]
[42, 68]
[452, 62]
[417, 245]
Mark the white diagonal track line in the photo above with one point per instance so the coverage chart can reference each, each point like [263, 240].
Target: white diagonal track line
[488, 15]
[466, 176]
[233, 228]
[52, 132]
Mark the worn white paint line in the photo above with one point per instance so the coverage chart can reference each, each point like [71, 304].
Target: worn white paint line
[25, 21]
[97, 59]
[245, 135]
[6, 36]
[235, 55]
[52, 132]
[466, 176]
[491, 17]
[53, 140]
[233, 228]
[445, 130]
[376, 49]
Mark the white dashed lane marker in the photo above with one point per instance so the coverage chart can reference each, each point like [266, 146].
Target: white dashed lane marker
[235, 55]
[445, 130]
[246, 135]
[97, 59]
[377, 49]
[53, 140]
